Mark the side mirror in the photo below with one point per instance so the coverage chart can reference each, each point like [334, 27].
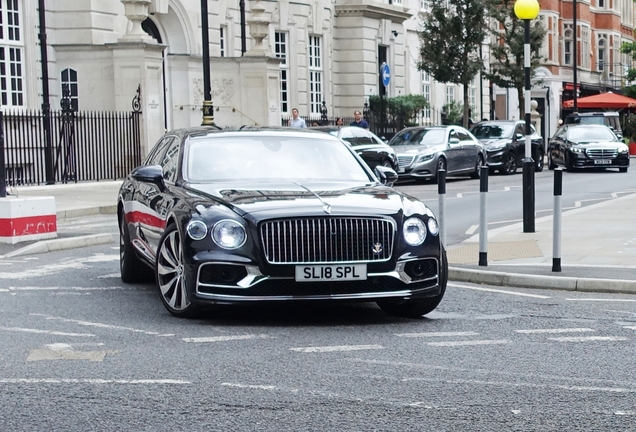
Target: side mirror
[453, 141]
[518, 136]
[386, 175]
[150, 174]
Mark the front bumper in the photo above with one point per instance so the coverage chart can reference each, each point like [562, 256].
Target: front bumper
[581, 160]
[425, 169]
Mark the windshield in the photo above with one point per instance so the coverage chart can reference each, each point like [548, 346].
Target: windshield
[492, 131]
[588, 134]
[419, 137]
[266, 157]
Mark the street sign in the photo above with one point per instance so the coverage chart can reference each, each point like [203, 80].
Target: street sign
[385, 73]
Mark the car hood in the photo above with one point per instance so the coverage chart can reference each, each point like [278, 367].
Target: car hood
[597, 144]
[285, 199]
[414, 150]
[497, 142]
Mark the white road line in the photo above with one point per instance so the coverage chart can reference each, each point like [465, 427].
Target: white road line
[472, 229]
[99, 325]
[558, 330]
[436, 334]
[250, 386]
[67, 288]
[87, 381]
[469, 343]
[224, 338]
[588, 338]
[460, 195]
[49, 332]
[601, 300]
[455, 285]
[337, 348]
[507, 189]
[630, 327]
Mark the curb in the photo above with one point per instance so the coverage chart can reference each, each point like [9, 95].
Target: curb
[62, 244]
[542, 282]
[86, 211]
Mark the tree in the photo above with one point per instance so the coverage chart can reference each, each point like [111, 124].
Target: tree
[452, 33]
[506, 48]
[630, 48]
[399, 110]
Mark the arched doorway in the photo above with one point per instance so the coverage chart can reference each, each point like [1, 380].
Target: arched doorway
[152, 30]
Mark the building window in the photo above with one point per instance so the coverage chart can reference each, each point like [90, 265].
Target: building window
[68, 80]
[450, 94]
[601, 53]
[601, 4]
[11, 55]
[280, 50]
[567, 46]
[472, 93]
[315, 75]
[585, 46]
[222, 35]
[426, 92]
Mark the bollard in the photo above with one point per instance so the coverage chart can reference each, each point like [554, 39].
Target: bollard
[441, 191]
[3, 175]
[483, 219]
[556, 220]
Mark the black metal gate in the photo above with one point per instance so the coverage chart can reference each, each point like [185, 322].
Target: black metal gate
[85, 145]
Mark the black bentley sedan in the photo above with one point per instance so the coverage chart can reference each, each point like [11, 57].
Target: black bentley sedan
[368, 145]
[577, 146]
[505, 143]
[275, 215]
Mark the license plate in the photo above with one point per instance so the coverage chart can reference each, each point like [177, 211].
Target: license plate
[602, 161]
[401, 170]
[314, 273]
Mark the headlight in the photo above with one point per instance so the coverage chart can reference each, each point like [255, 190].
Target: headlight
[433, 227]
[623, 149]
[425, 158]
[197, 230]
[229, 234]
[577, 150]
[414, 231]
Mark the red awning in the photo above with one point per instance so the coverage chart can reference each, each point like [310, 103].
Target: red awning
[603, 100]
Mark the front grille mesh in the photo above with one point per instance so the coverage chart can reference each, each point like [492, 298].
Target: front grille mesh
[327, 240]
[404, 161]
[602, 153]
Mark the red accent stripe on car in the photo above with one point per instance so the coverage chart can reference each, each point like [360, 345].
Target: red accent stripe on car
[145, 219]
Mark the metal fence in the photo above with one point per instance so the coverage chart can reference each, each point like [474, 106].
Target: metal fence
[85, 146]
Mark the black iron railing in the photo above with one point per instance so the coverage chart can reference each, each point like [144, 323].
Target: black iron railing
[85, 146]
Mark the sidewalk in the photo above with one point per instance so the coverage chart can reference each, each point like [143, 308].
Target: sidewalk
[598, 243]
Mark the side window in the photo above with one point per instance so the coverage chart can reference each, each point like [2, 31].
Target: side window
[170, 161]
[362, 137]
[463, 135]
[452, 134]
[520, 129]
[154, 157]
[347, 135]
[532, 130]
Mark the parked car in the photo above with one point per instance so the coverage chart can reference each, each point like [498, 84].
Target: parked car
[423, 150]
[505, 143]
[275, 215]
[610, 119]
[369, 146]
[587, 146]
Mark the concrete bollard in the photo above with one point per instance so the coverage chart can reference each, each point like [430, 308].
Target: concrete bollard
[483, 216]
[556, 220]
[441, 191]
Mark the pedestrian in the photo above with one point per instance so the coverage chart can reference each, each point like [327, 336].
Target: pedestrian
[339, 122]
[359, 121]
[296, 122]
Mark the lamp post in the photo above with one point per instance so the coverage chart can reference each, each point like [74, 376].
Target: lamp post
[527, 10]
[208, 108]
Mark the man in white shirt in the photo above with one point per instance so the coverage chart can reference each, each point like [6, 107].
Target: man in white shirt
[296, 122]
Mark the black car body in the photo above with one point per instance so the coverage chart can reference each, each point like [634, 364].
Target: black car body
[371, 149]
[423, 150]
[587, 146]
[275, 215]
[505, 144]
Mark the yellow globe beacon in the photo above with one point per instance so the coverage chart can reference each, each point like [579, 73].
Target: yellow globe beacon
[527, 9]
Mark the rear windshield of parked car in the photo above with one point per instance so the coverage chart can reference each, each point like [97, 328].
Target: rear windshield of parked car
[419, 137]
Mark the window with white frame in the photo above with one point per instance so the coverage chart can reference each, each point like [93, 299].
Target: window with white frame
[616, 50]
[601, 4]
[601, 52]
[567, 45]
[585, 47]
[315, 74]
[472, 93]
[424, 5]
[11, 54]
[426, 92]
[222, 39]
[543, 49]
[280, 50]
[68, 81]
[450, 94]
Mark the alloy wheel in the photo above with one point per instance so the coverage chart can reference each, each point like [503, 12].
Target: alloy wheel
[170, 272]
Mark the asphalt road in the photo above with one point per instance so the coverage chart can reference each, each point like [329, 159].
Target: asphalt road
[83, 351]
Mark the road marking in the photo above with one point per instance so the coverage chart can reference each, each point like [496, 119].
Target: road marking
[436, 334]
[455, 285]
[48, 269]
[250, 386]
[561, 330]
[469, 343]
[50, 332]
[460, 195]
[67, 354]
[630, 327]
[601, 300]
[99, 325]
[224, 338]
[88, 381]
[337, 348]
[67, 288]
[472, 229]
[588, 338]
[507, 189]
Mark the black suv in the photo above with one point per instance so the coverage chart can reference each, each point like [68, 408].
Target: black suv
[610, 119]
[505, 142]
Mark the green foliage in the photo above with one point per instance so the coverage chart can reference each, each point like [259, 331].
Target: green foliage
[451, 37]
[400, 110]
[629, 127]
[506, 50]
[454, 112]
[630, 48]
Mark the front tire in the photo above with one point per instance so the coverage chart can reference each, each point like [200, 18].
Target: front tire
[480, 162]
[538, 162]
[510, 164]
[171, 275]
[132, 269]
[551, 164]
[415, 308]
[622, 169]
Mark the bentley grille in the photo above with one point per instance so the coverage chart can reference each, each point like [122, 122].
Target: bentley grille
[327, 240]
[602, 153]
[405, 161]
